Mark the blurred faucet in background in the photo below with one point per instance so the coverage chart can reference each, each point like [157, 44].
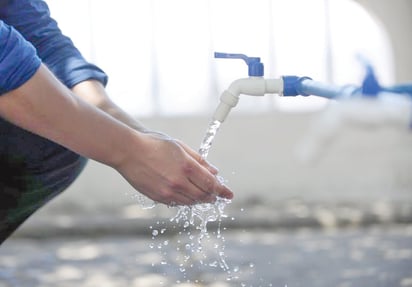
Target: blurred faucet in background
[367, 106]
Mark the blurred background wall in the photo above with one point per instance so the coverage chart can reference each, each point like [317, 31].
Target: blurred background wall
[255, 150]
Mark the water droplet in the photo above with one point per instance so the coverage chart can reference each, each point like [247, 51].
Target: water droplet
[144, 202]
[213, 264]
[155, 232]
[220, 179]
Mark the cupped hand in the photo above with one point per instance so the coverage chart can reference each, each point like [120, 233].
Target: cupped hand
[170, 172]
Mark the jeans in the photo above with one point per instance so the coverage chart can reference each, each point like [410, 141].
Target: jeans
[33, 170]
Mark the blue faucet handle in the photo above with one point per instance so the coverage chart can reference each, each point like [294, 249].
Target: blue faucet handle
[256, 68]
[370, 84]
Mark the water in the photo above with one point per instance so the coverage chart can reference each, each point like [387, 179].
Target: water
[196, 246]
[208, 139]
[200, 215]
[201, 245]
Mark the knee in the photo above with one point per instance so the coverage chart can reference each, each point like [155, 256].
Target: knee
[63, 169]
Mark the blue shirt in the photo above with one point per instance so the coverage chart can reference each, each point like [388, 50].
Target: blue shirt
[28, 37]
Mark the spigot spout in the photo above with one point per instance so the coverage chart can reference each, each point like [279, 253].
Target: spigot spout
[252, 86]
[255, 85]
[227, 102]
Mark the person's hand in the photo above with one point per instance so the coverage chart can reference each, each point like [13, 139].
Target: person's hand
[169, 172]
[159, 167]
[164, 169]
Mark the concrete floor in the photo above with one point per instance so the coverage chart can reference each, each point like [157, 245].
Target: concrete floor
[377, 255]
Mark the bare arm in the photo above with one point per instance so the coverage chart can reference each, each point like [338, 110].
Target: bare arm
[160, 168]
[93, 92]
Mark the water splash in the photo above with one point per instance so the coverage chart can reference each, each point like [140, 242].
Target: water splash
[200, 215]
[196, 246]
[145, 202]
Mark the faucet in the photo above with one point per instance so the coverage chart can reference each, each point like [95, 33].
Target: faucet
[254, 85]
[257, 85]
[368, 105]
[290, 86]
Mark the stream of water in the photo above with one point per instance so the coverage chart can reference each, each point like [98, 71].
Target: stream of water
[200, 215]
[208, 139]
[196, 246]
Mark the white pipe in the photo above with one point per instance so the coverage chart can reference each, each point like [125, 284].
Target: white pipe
[252, 86]
[387, 109]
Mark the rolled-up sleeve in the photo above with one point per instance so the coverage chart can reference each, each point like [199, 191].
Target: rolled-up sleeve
[32, 19]
[18, 59]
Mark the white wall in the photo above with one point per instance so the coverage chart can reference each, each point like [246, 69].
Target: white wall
[396, 17]
[255, 152]
[256, 156]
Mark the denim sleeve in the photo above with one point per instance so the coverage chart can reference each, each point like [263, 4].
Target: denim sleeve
[32, 19]
[18, 59]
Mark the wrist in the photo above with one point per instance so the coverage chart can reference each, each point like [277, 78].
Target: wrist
[127, 146]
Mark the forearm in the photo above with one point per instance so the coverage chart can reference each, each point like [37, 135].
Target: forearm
[46, 107]
[94, 93]
[161, 168]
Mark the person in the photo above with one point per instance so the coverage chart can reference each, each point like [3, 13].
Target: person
[55, 114]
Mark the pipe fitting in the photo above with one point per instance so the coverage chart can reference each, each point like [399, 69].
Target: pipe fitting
[253, 86]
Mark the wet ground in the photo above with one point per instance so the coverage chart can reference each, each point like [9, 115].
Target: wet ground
[375, 255]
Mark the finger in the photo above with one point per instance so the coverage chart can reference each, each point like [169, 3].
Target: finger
[208, 183]
[176, 198]
[195, 194]
[199, 196]
[196, 156]
[210, 167]
[223, 191]
[180, 198]
[187, 193]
